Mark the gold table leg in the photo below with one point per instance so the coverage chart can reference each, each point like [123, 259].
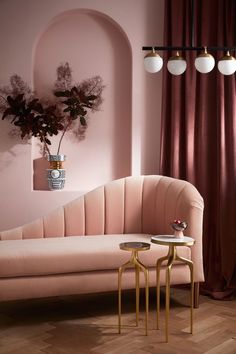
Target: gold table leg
[119, 298]
[168, 269]
[171, 257]
[134, 262]
[190, 264]
[158, 268]
[137, 292]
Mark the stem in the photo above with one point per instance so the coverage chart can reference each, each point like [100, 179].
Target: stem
[47, 148]
[45, 145]
[4, 98]
[90, 91]
[62, 136]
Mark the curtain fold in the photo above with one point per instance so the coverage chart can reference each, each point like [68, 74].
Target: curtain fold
[198, 133]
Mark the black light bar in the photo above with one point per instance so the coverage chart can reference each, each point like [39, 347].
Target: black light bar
[168, 48]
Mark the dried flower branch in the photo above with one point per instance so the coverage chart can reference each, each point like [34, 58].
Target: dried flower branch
[43, 119]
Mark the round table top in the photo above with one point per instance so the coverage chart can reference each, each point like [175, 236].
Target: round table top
[171, 240]
[135, 246]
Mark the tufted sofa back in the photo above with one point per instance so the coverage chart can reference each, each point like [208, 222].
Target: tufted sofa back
[144, 204]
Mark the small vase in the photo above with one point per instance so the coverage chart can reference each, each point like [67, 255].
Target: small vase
[178, 234]
[56, 174]
[178, 227]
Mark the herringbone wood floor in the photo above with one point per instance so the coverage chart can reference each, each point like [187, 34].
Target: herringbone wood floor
[88, 324]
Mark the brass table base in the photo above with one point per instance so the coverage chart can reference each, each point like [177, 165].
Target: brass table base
[170, 258]
[134, 262]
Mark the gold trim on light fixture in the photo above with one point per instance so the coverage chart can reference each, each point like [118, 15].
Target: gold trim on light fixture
[176, 57]
[228, 57]
[205, 54]
[152, 54]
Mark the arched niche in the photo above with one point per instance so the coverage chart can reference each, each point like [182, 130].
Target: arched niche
[93, 44]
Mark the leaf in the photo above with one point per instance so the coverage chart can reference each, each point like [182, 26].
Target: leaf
[81, 111]
[69, 101]
[37, 106]
[7, 112]
[47, 141]
[10, 100]
[73, 114]
[60, 126]
[92, 97]
[65, 93]
[83, 121]
[74, 89]
[68, 109]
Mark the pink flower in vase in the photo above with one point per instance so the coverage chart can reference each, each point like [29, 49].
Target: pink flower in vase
[179, 226]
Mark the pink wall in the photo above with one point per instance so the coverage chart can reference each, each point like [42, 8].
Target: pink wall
[123, 138]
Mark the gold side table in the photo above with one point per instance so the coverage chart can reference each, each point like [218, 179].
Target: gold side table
[134, 247]
[172, 242]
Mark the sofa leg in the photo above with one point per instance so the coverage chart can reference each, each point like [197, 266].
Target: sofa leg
[196, 295]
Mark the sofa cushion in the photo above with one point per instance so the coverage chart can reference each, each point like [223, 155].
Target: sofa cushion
[35, 257]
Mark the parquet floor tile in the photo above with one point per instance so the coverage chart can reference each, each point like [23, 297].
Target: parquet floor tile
[88, 324]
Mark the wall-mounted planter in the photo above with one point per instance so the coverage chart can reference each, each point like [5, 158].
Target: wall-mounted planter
[56, 174]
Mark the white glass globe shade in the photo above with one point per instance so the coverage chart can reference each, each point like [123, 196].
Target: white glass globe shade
[204, 63]
[153, 62]
[176, 65]
[227, 65]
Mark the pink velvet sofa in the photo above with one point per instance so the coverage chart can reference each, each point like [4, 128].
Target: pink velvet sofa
[75, 249]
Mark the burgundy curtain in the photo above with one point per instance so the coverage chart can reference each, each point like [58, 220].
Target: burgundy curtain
[198, 136]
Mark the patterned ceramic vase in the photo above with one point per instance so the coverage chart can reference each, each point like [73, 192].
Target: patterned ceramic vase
[56, 174]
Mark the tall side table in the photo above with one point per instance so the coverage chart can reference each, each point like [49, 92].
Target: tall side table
[135, 247]
[173, 243]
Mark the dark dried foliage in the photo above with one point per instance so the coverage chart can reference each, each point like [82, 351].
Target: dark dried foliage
[42, 119]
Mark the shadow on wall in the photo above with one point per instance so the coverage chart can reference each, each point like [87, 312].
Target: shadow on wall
[40, 166]
[8, 144]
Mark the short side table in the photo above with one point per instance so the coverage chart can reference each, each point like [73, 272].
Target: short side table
[172, 242]
[135, 247]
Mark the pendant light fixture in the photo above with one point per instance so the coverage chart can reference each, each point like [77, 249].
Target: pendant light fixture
[227, 64]
[176, 65]
[204, 62]
[153, 62]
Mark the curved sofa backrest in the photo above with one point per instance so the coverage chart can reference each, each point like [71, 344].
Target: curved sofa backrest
[144, 204]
